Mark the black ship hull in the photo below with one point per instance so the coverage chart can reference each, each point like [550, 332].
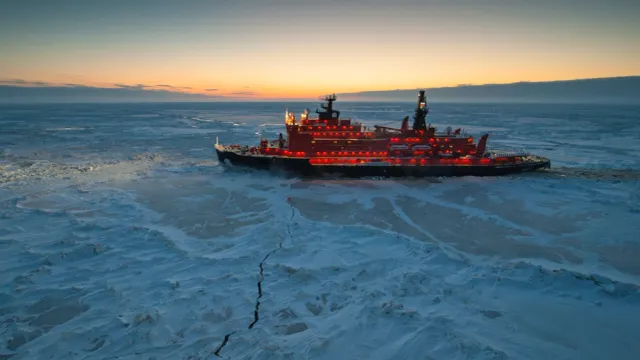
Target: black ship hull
[302, 167]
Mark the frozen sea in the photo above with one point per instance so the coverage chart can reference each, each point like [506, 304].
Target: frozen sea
[122, 237]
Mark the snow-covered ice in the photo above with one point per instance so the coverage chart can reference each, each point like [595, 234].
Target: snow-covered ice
[123, 238]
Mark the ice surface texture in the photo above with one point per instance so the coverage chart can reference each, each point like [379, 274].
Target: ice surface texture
[123, 238]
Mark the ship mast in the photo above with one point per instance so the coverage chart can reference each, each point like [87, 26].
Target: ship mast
[329, 99]
[419, 118]
[328, 114]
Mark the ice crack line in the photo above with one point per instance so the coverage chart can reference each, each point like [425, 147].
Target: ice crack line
[256, 311]
[224, 342]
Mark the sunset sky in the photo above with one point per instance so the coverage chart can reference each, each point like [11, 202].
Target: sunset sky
[304, 48]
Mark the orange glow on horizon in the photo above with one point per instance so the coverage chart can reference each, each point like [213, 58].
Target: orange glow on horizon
[311, 91]
[278, 50]
[295, 78]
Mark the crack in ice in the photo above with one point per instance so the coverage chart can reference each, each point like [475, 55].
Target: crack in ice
[224, 342]
[256, 311]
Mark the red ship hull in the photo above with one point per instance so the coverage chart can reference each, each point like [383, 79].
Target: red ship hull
[332, 145]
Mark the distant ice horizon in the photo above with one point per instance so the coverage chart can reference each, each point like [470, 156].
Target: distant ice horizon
[611, 90]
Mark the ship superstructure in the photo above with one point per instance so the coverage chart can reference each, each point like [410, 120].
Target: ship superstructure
[328, 142]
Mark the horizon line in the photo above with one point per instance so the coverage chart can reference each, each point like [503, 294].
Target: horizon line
[6, 82]
[461, 102]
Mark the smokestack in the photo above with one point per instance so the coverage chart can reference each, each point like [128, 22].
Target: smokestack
[482, 145]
